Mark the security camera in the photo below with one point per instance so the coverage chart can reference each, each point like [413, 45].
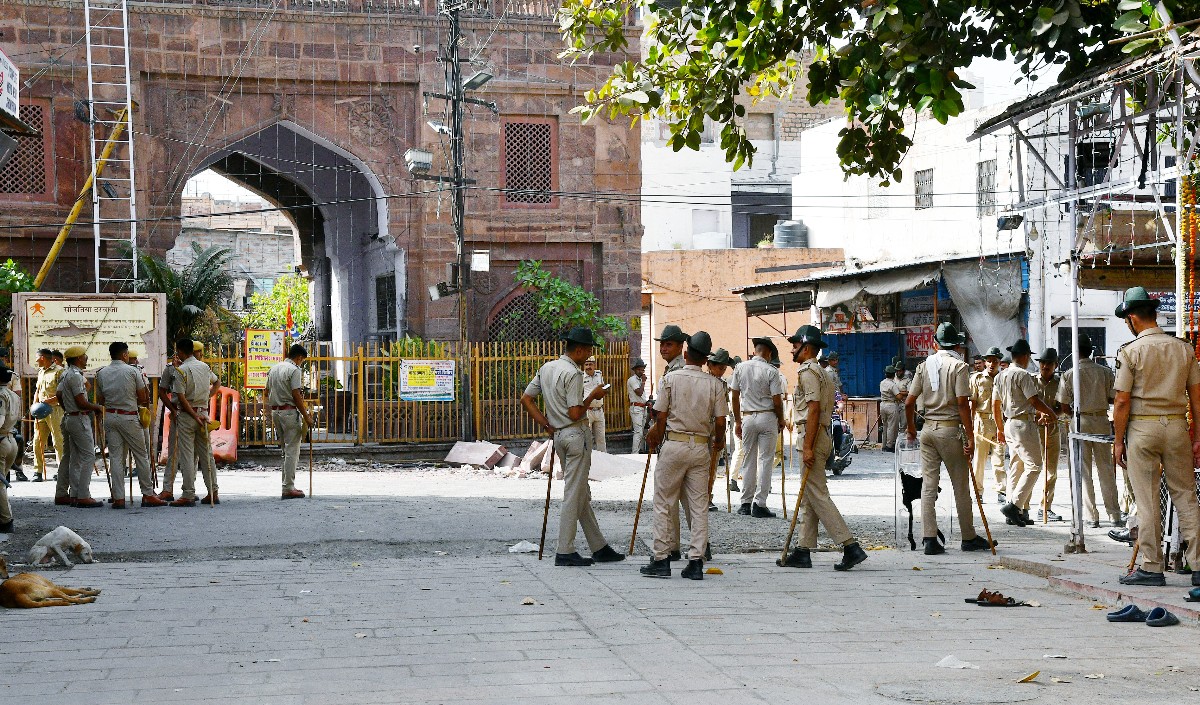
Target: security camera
[416, 48]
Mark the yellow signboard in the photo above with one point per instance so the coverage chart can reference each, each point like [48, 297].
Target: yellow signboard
[264, 350]
[59, 321]
[427, 380]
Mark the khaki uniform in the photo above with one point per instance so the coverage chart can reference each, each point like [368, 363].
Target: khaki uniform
[560, 385]
[813, 385]
[986, 445]
[10, 416]
[890, 411]
[120, 383]
[902, 385]
[165, 384]
[595, 412]
[942, 439]
[1014, 388]
[674, 365]
[692, 399]
[79, 446]
[757, 382]
[193, 379]
[1156, 369]
[1048, 391]
[1096, 393]
[51, 426]
[282, 380]
[637, 410]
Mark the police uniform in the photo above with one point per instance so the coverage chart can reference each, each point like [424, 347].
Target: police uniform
[119, 383]
[757, 383]
[1048, 390]
[987, 447]
[674, 365]
[282, 380]
[165, 384]
[637, 406]
[51, 426]
[889, 409]
[79, 445]
[595, 411]
[939, 383]
[193, 380]
[1096, 393]
[1013, 388]
[10, 416]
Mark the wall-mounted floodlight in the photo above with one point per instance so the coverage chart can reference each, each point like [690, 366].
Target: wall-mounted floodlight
[1009, 222]
[418, 161]
[477, 80]
[441, 290]
[439, 127]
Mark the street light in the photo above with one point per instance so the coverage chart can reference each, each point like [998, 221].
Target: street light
[438, 127]
[477, 80]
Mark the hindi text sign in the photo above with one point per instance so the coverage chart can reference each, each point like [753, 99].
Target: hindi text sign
[59, 321]
[264, 350]
[427, 380]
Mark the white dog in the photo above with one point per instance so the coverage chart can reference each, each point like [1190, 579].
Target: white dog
[58, 543]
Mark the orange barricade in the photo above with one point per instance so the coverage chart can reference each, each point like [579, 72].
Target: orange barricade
[225, 408]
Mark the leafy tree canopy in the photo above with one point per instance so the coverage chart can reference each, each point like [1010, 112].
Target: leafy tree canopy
[564, 305]
[194, 292]
[881, 58]
[269, 309]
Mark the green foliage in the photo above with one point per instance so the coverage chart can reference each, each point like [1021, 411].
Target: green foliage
[883, 59]
[269, 310]
[194, 292]
[13, 278]
[563, 305]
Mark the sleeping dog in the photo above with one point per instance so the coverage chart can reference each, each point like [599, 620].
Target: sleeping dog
[59, 543]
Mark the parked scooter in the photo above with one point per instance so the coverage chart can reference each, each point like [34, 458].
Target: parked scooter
[843, 442]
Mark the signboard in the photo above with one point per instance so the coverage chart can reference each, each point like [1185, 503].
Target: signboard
[58, 321]
[264, 350]
[919, 342]
[427, 380]
[10, 86]
[837, 320]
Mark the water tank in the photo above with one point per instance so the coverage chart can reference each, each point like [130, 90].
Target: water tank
[791, 233]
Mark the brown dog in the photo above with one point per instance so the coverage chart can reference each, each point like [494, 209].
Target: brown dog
[28, 590]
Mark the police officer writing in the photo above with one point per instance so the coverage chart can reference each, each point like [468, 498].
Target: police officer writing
[1157, 383]
[289, 413]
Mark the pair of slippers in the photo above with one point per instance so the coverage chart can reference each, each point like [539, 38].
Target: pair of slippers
[987, 598]
[1157, 617]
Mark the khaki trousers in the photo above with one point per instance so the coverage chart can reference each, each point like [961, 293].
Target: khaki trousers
[595, 421]
[8, 454]
[79, 458]
[988, 448]
[1098, 458]
[681, 474]
[123, 432]
[289, 427]
[43, 429]
[942, 442]
[193, 448]
[637, 417]
[573, 446]
[1152, 448]
[817, 505]
[759, 435]
[889, 420]
[1023, 437]
[1054, 441]
[674, 517]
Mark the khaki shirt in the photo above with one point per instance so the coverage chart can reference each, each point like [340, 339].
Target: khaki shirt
[590, 382]
[167, 382]
[1048, 390]
[1156, 369]
[981, 395]
[887, 391]
[673, 365]
[1014, 388]
[10, 412]
[193, 379]
[560, 385]
[953, 383]
[631, 386]
[693, 400]
[1095, 388]
[70, 384]
[813, 385]
[757, 382]
[282, 380]
[119, 383]
[47, 382]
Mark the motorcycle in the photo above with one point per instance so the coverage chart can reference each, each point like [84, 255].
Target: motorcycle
[843, 442]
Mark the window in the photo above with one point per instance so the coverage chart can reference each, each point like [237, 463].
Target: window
[1091, 163]
[985, 188]
[385, 302]
[924, 180]
[529, 156]
[518, 319]
[26, 174]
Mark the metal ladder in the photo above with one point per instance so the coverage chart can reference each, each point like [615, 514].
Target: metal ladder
[110, 107]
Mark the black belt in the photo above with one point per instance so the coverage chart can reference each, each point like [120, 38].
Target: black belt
[120, 411]
[285, 407]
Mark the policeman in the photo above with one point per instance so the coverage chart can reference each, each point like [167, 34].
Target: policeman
[670, 349]
[560, 385]
[10, 416]
[1157, 382]
[1096, 393]
[986, 445]
[889, 409]
[165, 384]
[941, 385]
[121, 390]
[813, 412]
[1014, 400]
[757, 398]
[79, 448]
[593, 378]
[194, 385]
[1049, 383]
[289, 413]
[46, 390]
[635, 386]
[902, 381]
[205, 461]
[689, 431]
[835, 361]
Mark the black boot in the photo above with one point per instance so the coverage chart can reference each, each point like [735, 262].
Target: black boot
[733, 486]
[572, 559]
[761, 512]
[607, 555]
[798, 558]
[1025, 517]
[21, 476]
[6, 527]
[657, 569]
[708, 551]
[1144, 577]
[37, 477]
[1012, 514]
[675, 555]
[744, 510]
[852, 555]
[978, 543]
[694, 570]
[933, 548]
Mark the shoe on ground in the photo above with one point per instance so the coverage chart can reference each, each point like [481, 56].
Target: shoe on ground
[1025, 517]
[607, 555]
[64, 501]
[118, 504]
[933, 547]
[1192, 596]
[1050, 516]
[150, 500]
[1001, 499]
[656, 569]
[708, 551]
[1125, 536]
[852, 555]
[38, 478]
[712, 507]
[979, 543]
[1128, 613]
[573, 560]
[744, 510]
[694, 570]
[184, 502]
[1012, 514]
[166, 496]
[1142, 577]
[798, 558]
[1159, 617]
[889, 449]
[761, 512]
[733, 486]
[293, 494]
[675, 555]
[88, 503]
[21, 477]
[215, 498]
[1094, 523]
[6, 527]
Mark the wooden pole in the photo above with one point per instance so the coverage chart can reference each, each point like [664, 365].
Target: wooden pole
[728, 479]
[783, 461]
[1045, 474]
[310, 463]
[1132, 559]
[546, 509]
[796, 512]
[983, 517]
[638, 514]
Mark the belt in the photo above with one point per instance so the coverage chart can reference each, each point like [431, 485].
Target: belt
[285, 407]
[759, 411]
[639, 403]
[942, 423]
[1157, 417]
[683, 437]
[1094, 413]
[120, 411]
[1019, 417]
[77, 413]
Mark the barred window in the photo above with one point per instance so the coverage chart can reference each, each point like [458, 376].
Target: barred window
[25, 173]
[519, 320]
[529, 161]
[985, 188]
[924, 180]
[385, 302]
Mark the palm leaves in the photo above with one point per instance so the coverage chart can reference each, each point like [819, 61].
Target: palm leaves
[194, 291]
